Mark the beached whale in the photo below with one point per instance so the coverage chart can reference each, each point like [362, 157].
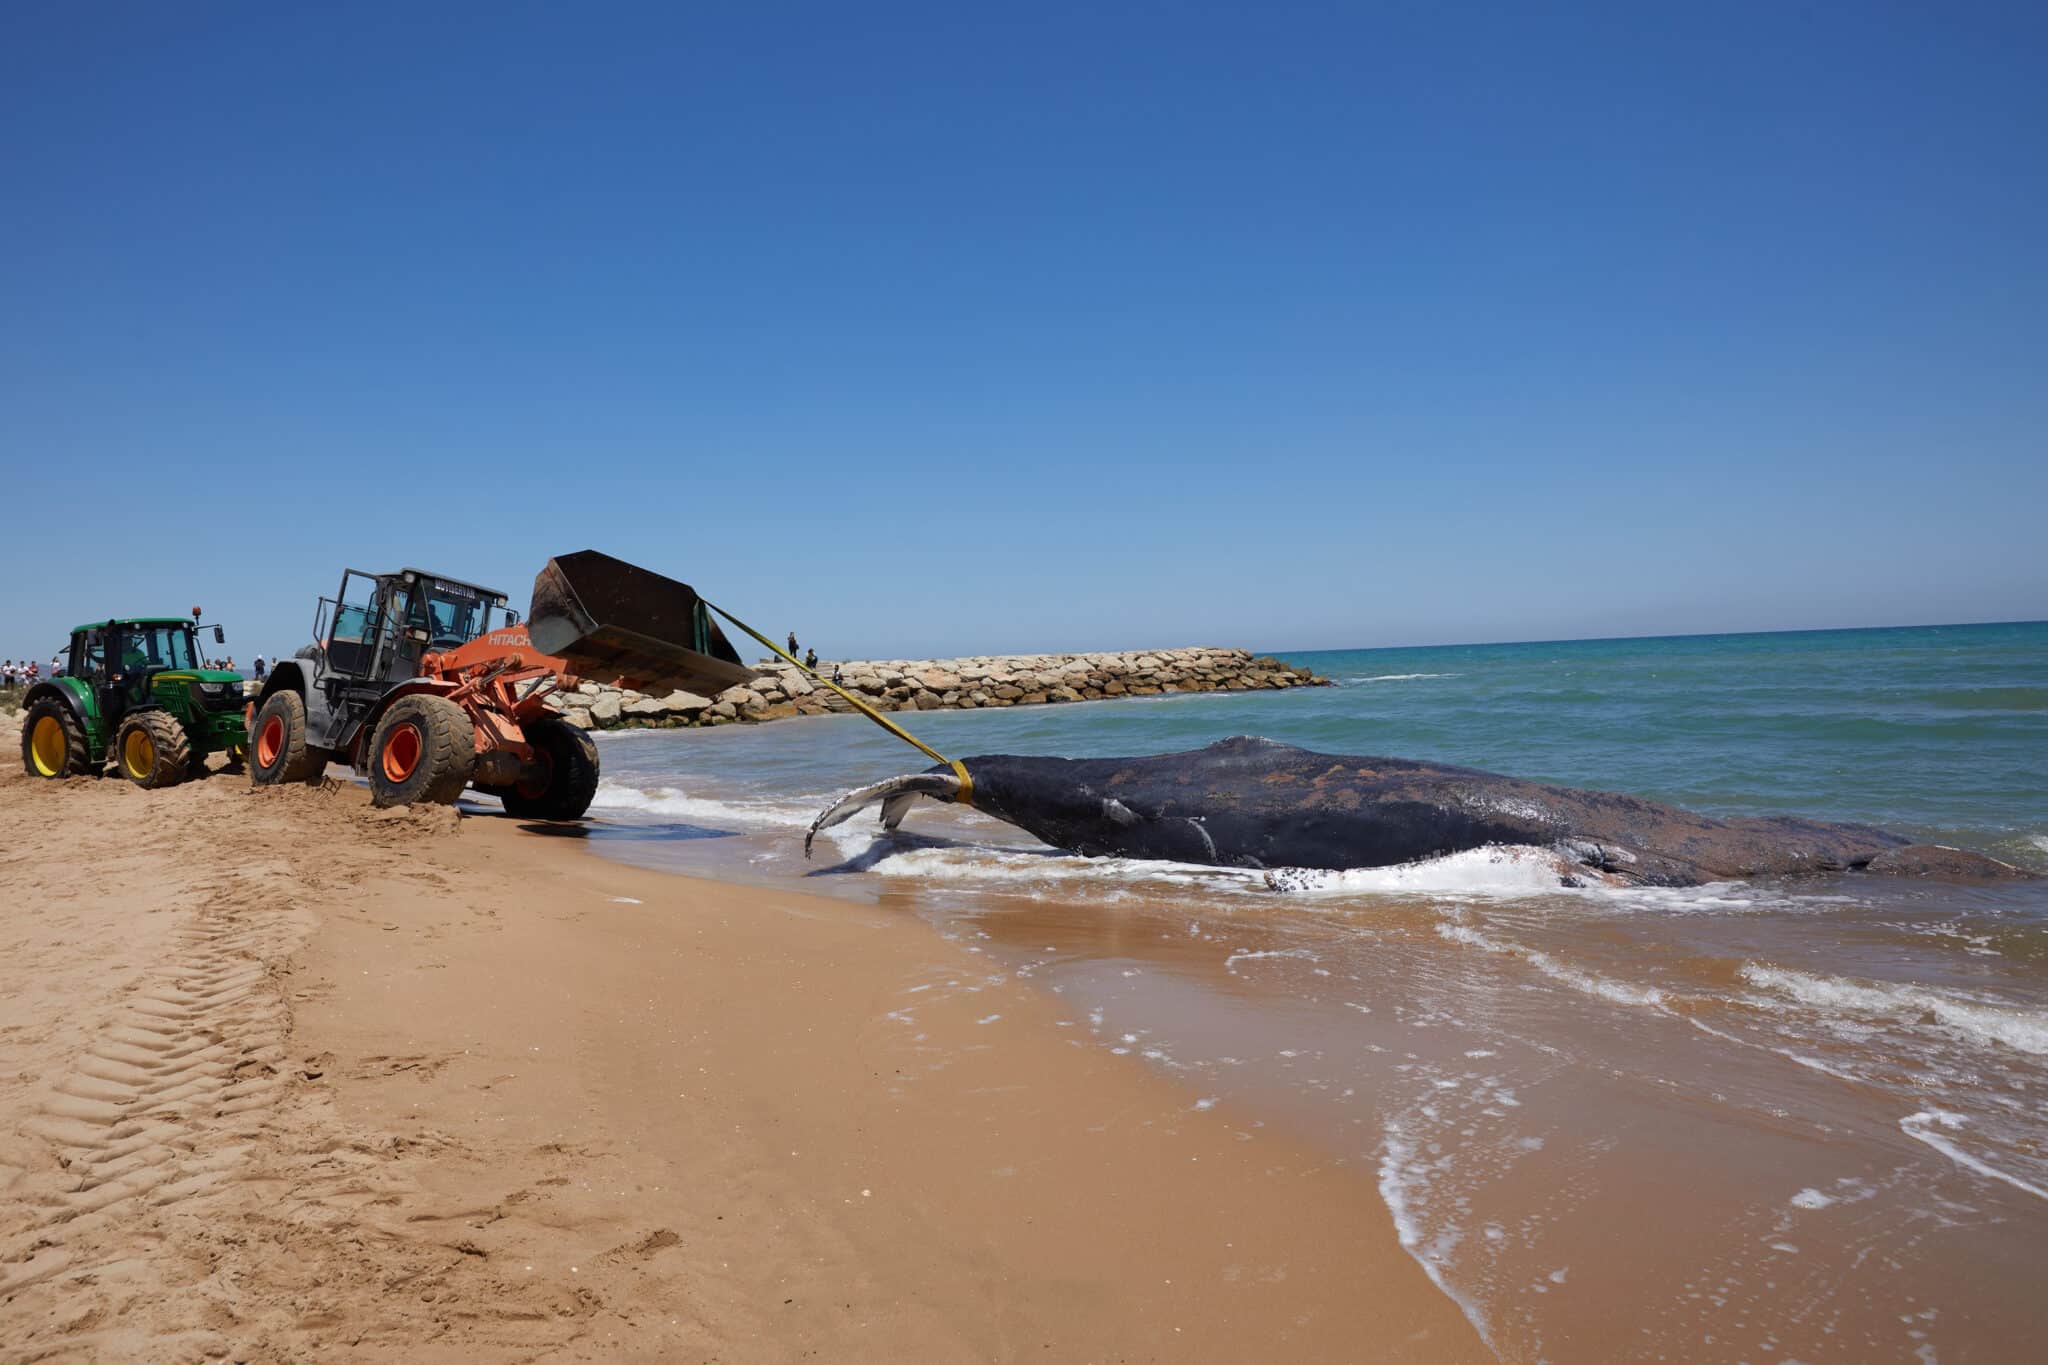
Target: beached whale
[1253, 803]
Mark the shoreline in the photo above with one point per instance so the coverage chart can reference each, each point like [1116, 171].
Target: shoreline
[469, 1095]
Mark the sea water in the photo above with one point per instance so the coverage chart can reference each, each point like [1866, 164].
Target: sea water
[1743, 1121]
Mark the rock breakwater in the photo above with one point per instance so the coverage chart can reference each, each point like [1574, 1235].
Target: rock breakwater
[782, 691]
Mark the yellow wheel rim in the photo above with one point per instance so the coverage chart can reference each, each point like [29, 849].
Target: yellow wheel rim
[46, 746]
[139, 753]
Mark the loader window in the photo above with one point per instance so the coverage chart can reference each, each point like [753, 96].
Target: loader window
[350, 643]
[456, 614]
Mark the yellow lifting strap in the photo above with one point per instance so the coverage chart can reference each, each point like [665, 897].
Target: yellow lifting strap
[860, 704]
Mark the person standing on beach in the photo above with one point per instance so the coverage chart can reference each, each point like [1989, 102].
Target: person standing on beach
[56, 665]
[259, 668]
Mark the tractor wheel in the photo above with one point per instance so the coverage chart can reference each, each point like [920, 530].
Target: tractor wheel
[278, 752]
[152, 749]
[424, 751]
[53, 742]
[571, 762]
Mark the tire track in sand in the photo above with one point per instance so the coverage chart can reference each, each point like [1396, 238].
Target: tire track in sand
[161, 1107]
[175, 1185]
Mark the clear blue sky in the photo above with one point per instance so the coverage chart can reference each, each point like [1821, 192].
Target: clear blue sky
[932, 329]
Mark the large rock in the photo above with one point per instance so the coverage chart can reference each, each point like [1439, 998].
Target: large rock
[605, 709]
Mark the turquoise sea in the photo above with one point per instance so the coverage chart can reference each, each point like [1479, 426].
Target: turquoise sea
[1935, 731]
[1780, 1121]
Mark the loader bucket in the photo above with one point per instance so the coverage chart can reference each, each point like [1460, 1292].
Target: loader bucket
[609, 619]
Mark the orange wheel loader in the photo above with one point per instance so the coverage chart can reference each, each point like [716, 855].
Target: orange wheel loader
[427, 685]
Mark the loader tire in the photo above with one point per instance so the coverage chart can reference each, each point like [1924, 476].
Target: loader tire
[278, 752]
[152, 749]
[53, 742]
[422, 753]
[571, 762]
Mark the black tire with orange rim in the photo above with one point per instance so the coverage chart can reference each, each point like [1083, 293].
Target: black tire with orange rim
[278, 751]
[423, 752]
[570, 760]
[152, 750]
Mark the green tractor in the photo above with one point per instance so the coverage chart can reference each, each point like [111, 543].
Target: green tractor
[136, 691]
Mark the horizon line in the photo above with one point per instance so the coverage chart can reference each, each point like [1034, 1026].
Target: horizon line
[1679, 635]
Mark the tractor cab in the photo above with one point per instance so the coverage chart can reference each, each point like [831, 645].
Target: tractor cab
[123, 661]
[378, 627]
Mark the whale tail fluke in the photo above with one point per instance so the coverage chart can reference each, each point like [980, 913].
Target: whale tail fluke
[896, 796]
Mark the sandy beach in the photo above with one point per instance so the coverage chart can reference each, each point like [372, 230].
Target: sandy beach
[282, 1076]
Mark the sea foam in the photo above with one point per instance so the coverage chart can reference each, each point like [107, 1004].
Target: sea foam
[1974, 1020]
[1928, 1125]
[1585, 982]
[673, 801]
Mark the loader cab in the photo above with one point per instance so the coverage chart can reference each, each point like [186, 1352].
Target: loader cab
[377, 627]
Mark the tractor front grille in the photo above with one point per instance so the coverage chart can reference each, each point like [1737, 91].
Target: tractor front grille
[218, 696]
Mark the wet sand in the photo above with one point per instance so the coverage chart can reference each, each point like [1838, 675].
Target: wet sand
[282, 1076]
[1745, 1122]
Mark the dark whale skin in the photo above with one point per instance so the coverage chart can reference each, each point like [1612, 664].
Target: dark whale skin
[1254, 803]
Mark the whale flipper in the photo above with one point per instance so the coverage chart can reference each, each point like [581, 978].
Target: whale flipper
[896, 796]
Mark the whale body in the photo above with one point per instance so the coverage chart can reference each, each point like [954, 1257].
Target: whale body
[1254, 803]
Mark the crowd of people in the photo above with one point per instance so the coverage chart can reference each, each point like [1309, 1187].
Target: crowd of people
[26, 673]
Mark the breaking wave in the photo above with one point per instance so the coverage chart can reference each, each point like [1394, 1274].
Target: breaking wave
[1977, 1021]
[1928, 1126]
[1585, 982]
[1398, 677]
[673, 801]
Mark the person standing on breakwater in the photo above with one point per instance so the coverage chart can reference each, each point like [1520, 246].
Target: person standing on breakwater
[792, 644]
